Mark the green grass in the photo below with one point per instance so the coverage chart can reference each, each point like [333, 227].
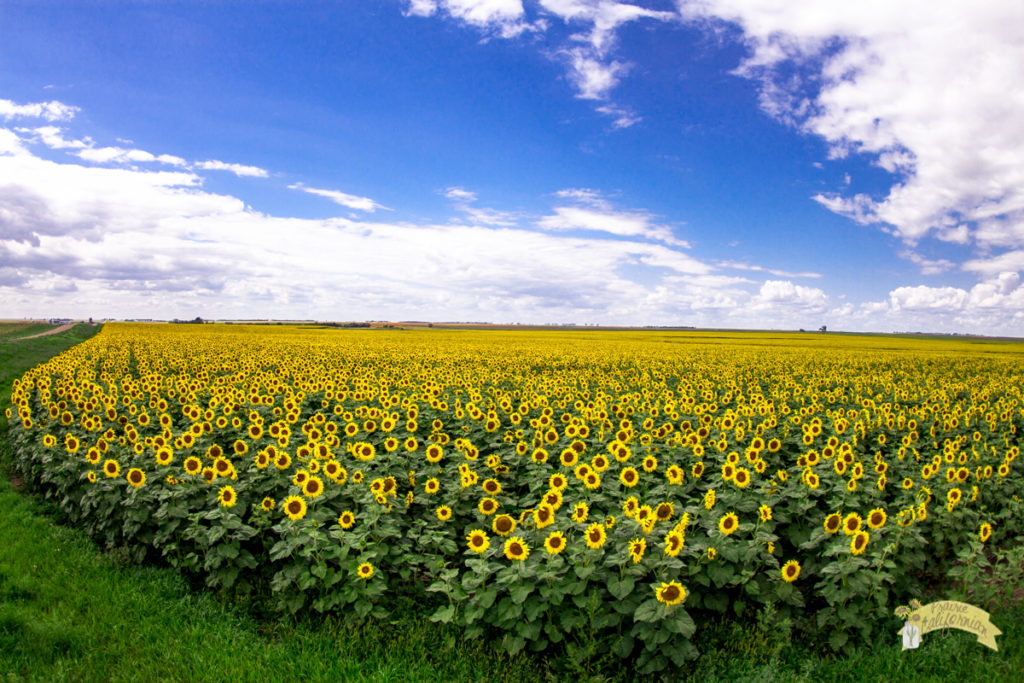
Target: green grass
[9, 331]
[70, 611]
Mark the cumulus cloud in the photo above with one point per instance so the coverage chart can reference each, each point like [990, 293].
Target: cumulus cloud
[78, 239]
[783, 293]
[502, 18]
[925, 89]
[240, 170]
[348, 200]
[49, 111]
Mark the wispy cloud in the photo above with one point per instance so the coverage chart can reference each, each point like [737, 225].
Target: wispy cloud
[350, 201]
[588, 55]
[120, 155]
[240, 170]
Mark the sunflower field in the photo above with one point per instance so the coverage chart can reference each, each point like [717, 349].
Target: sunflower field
[602, 492]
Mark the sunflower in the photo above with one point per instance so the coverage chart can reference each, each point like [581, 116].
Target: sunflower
[636, 549]
[580, 512]
[268, 503]
[833, 523]
[650, 463]
[728, 523]
[478, 541]
[859, 542]
[539, 456]
[675, 475]
[985, 532]
[741, 478]
[544, 516]
[91, 476]
[790, 571]
[766, 513]
[487, 506]
[136, 477]
[674, 542]
[553, 498]
[697, 470]
[592, 481]
[629, 477]
[596, 536]
[346, 520]
[670, 593]
[877, 518]
[852, 524]
[365, 571]
[568, 457]
[503, 525]
[432, 485]
[712, 553]
[313, 487]
[516, 549]
[444, 513]
[434, 453]
[164, 456]
[953, 496]
[294, 507]
[111, 468]
[554, 543]
[630, 506]
[709, 499]
[558, 482]
[491, 486]
[227, 496]
[664, 511]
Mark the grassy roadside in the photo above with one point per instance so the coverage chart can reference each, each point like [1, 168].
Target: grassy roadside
[71, 612]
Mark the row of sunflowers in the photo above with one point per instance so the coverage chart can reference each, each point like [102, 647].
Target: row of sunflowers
[541, 487]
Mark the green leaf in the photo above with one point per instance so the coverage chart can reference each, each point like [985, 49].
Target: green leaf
[445, 614]
[519, 592]
[648, 611]
[621, 588]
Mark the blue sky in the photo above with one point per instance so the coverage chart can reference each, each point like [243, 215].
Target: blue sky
[719, 163]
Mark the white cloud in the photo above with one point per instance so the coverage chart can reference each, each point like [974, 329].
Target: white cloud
[120, 155]
[50, 111]
[53, 137]
[503, 18]
[928, 266]
[348, 200]
[459, 194]
[589, 53]
[623, 223]
[238, 169]
[761, 269]
[776, 293]
[929, 89]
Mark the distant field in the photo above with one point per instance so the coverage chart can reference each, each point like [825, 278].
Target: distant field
[12, 330]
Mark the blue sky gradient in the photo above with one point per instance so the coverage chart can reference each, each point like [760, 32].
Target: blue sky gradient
[722, 163]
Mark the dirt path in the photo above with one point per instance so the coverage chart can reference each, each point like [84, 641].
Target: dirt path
[43, 334]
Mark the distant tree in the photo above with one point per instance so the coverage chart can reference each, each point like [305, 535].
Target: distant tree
[823, 328]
